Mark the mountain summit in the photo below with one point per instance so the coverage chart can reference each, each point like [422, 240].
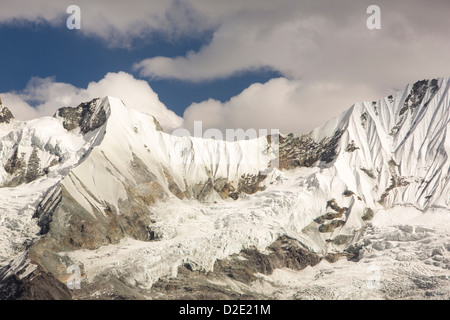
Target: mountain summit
[5, 115]
[100, 188]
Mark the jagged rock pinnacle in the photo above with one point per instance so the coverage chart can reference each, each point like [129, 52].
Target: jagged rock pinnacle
[5, 114]
[87, 116]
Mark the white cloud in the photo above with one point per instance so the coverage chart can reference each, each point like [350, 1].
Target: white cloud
[324, 44]
[322, 41]
[117, 22]
[286, 105]
[312, 40]
[43, 96]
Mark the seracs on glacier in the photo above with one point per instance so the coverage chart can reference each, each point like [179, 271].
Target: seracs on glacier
[121, 199]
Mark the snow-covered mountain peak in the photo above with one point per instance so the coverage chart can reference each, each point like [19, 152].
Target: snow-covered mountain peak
[395, 150]
[103, 180]
[5, 115]
[86, 117]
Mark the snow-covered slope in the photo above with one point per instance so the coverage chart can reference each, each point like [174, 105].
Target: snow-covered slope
[35, 156]
[402, 142]
[101, 187]
[172, 165]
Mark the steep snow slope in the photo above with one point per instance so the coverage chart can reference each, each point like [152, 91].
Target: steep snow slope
[401, 141]
[174, 164]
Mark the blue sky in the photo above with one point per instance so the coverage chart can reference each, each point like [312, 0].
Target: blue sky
[289, 65]
[42, 50]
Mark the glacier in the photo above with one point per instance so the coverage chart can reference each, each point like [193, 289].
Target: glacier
[102, 187]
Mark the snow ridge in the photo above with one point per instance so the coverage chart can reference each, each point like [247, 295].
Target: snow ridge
[397, 148]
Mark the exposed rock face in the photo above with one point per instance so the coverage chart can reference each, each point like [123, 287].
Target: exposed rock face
[16, 167]
[87, 116]
[331, 220]
[45, 209]
[418, 93]
[250, 184]
[247, 184]
[284, 253]
[396, 181]
[23, 170]
[351, 147]
[39, 285]
[414, 99]
[304, 151]
[24, 280]
[157, 125]
[368, 214]
[69, 227]
[225, 189]
[239, 270]
[33, 170]
[5, 115]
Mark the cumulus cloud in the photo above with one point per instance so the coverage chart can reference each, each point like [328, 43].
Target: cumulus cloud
[43, 96]
[325, 44]
[321, 41]
[286, 105]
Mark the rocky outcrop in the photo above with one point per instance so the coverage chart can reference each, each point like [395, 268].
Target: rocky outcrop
[16, 167]
[23, 279]
[5, 115]
[39, 285]
[283, 253]
[250, 184]
[351, 147]
[396, 181]
[22, 170]
[304, 151]
[368, 214]
[44, 210]
[70, 227]
[87, 116]
[225, 189]
[418, 92]
[331, 220]
[157, 125]
[414, 99]
[239, 270]
[33, 169]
